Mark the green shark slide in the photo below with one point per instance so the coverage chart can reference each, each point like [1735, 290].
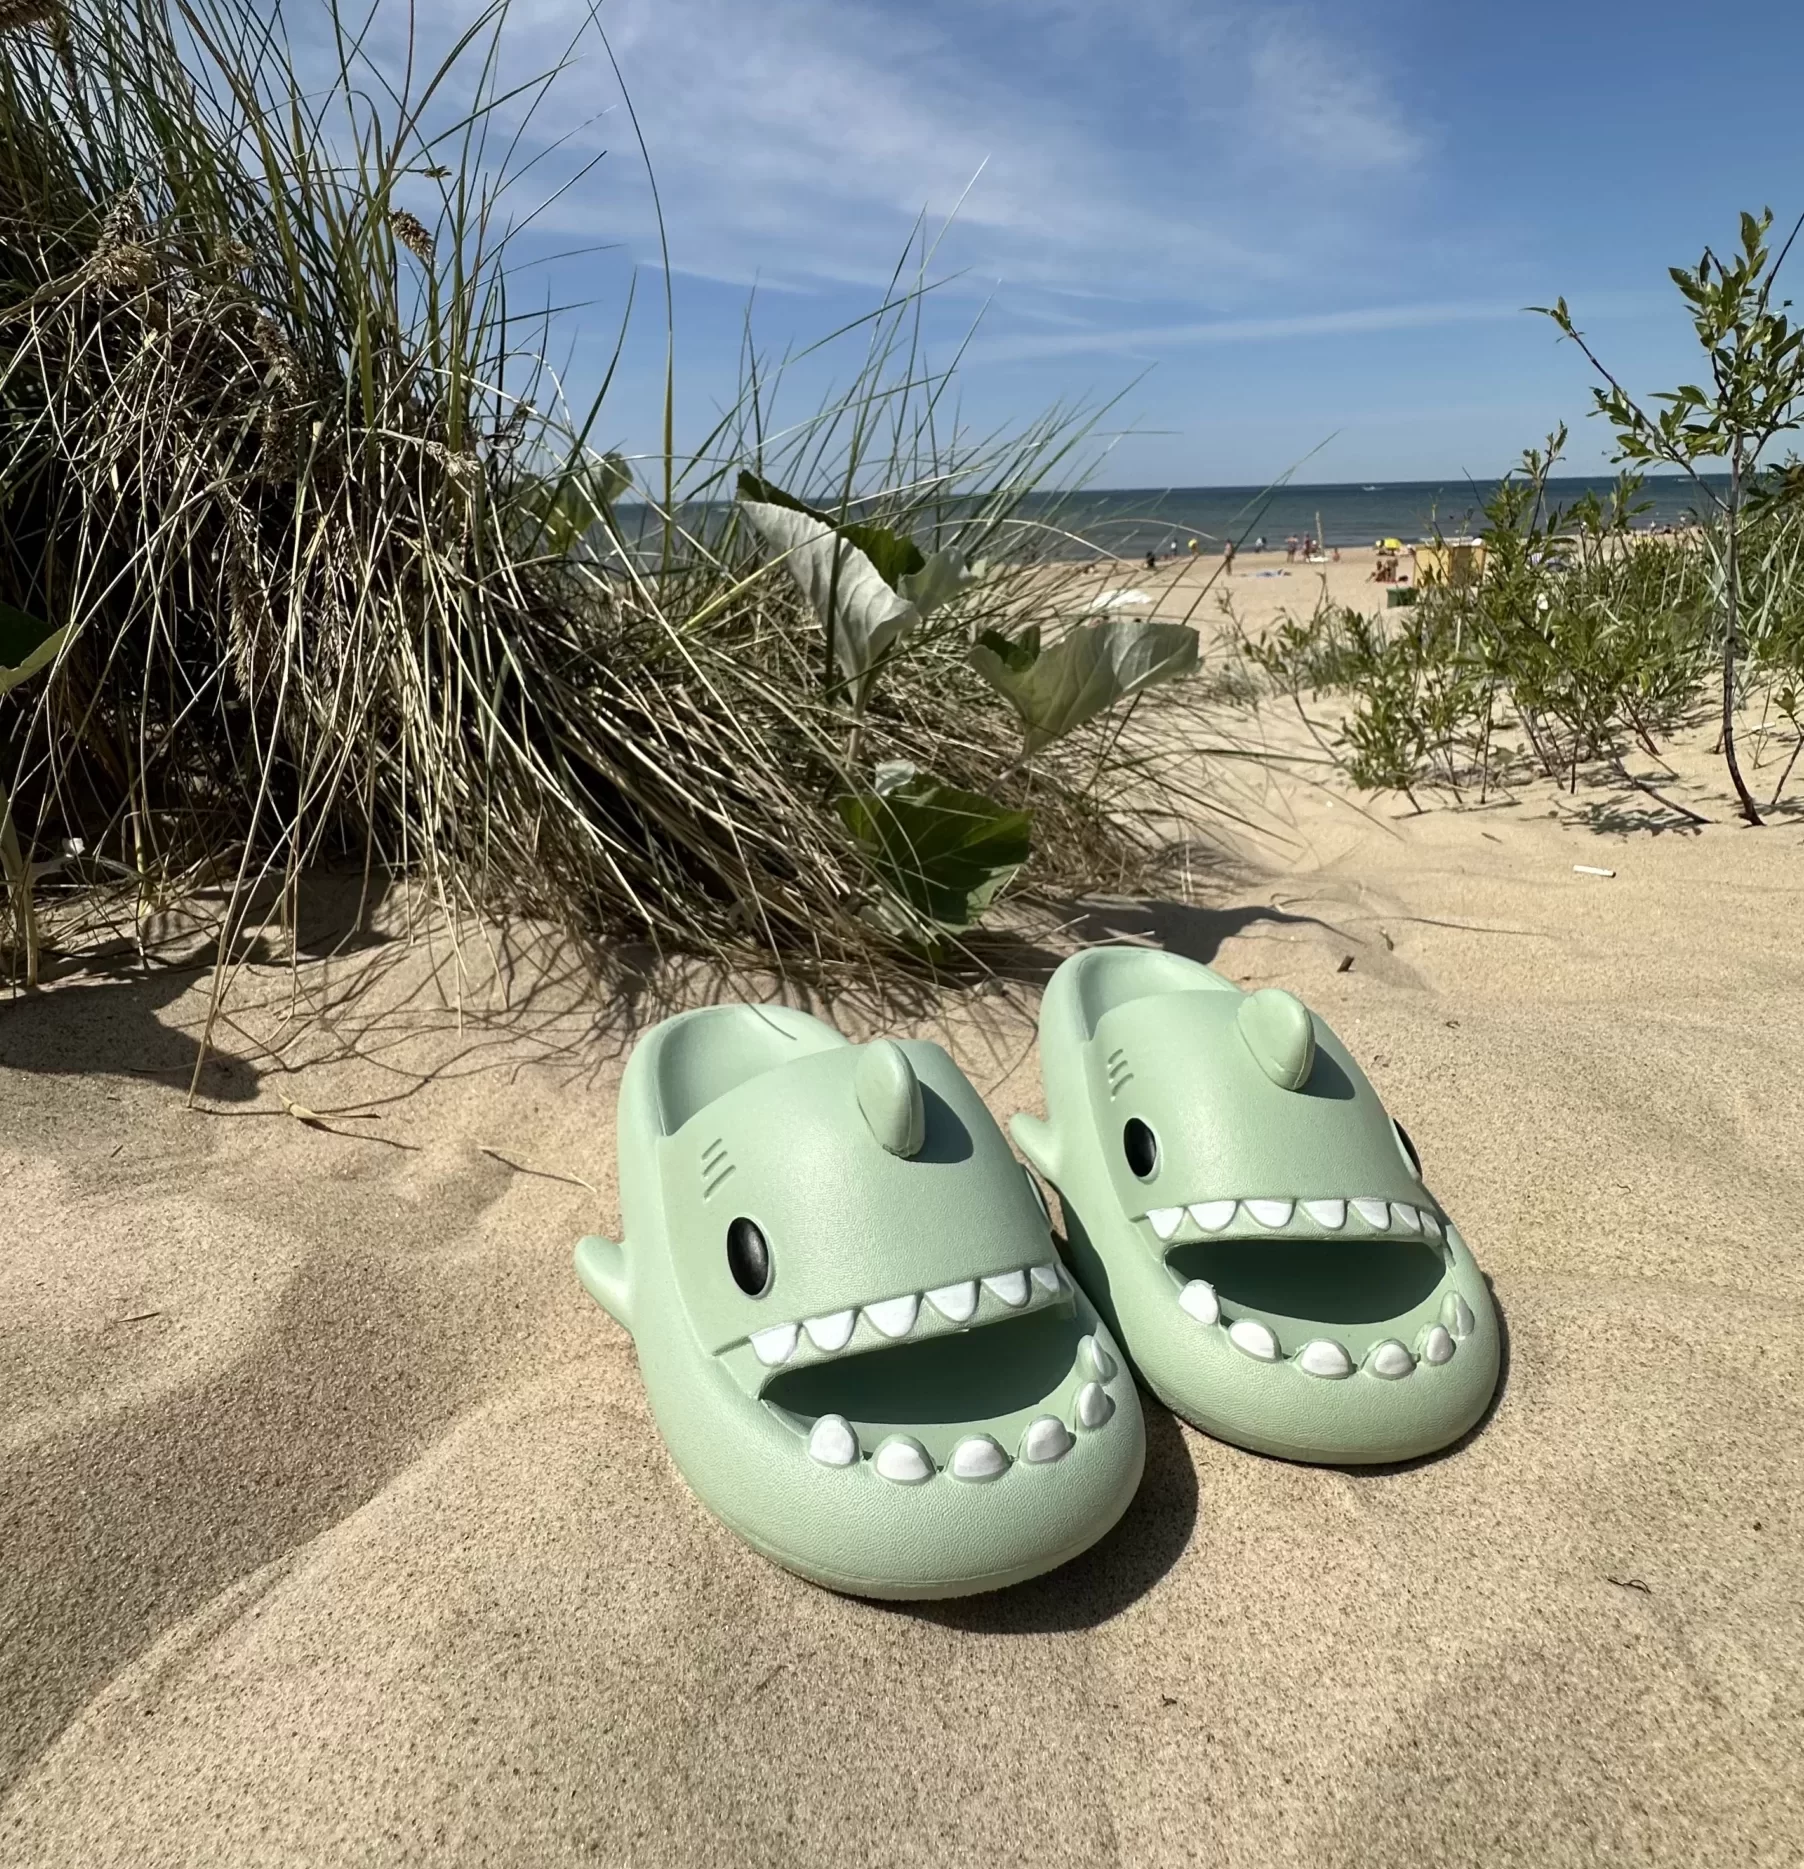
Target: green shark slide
[856, 1334]
[1249, 1221]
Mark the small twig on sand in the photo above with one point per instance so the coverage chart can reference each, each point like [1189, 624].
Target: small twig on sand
[526, 1168]
[324, 1119]
[1786, 774]
[1671, 804]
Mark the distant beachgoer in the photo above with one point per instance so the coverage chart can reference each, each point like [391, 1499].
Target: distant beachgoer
[1308, 546]
[1337, 554]
[1290, 549]
[1194, 548]
[1227, 558]
[1152, 561]
[1259, 543]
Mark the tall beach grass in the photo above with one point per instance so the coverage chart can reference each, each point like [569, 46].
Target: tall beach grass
[345, 574]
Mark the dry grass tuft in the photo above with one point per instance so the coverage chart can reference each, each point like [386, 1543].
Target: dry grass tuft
[293, 496]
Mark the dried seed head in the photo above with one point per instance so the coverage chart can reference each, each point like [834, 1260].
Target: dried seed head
[22, 15]
[412, 234]
[122, 253]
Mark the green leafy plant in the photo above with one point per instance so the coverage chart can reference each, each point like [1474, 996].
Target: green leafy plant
[1755, 356]
[1086, 672]
[1589, 633]
[868, 584]
[944, 854]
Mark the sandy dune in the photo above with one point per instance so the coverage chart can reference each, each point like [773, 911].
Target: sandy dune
[336, 1531]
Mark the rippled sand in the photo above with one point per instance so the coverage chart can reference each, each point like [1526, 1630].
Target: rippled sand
[335, 1529]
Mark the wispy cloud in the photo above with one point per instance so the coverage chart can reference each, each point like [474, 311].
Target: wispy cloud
[1115, 149]
[1147, 339]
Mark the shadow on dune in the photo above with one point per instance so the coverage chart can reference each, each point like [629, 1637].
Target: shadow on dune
[141, 1517]
[103, 1020]
[97, 1008]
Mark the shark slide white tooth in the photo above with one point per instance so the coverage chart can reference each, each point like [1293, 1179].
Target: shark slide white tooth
[1270, 1213]
[957, 1304]
[1253, 1338]
[1212, 1216]
[1093, 1405]
[1010, 1287]
[903, 1460]
[1376, 1214]
[977, 1457]
[1329, 1214]
[833, 1442]
[1405, 1216]
[1437, 1346]
[1097, 1360]
[1456, 1314]
[1390, 1360]
[775, 1345]
[1047, 1439]
[894, 1317]
[1165, 1220]
[1322, 1356]
[1045, 1276]
[1198, 1298]
[832, 1332]
[1431, 1224]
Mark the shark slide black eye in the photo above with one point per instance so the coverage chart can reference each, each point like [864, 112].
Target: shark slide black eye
[1409, 1149]
[1141, 1147]
[748, 1257]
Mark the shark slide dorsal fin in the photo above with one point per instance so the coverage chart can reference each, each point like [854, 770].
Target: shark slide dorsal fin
[889, 1096]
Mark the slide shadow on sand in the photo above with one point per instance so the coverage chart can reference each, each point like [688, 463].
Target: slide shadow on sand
[1198, 933]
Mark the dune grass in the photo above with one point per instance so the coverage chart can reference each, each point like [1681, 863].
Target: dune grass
[349, 583]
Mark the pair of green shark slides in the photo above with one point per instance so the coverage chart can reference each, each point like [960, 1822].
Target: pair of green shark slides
[864, 1350]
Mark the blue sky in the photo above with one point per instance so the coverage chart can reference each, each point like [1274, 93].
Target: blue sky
[1288, 222]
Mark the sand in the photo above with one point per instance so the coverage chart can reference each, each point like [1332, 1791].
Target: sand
[336, 1529]
[1261, 586]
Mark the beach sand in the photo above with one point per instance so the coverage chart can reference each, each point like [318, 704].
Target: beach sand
[1261, 587]
[336, 1529]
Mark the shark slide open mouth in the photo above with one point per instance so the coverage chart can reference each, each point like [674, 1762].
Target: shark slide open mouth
[1328, 1281]
[927, 1405]
[1323, 1284]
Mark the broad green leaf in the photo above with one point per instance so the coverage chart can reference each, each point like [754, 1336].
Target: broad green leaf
[1016, 652]
[944, 853]
[27, 644]
[845, 590]
[895, 557]
[941, 578]
[768, 493]
[1086, 672]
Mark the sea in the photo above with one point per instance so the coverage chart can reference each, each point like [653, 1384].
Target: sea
[1128, 523]
[1132, 521]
